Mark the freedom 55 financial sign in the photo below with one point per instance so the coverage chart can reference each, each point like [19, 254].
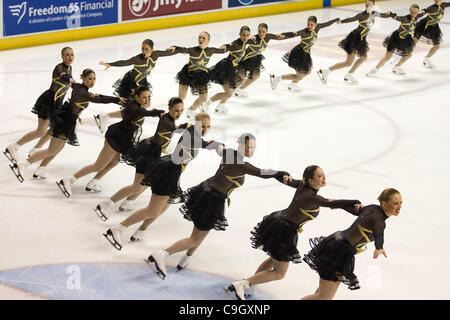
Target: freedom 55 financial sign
[139, 9]
[29, 16]
[240, 3]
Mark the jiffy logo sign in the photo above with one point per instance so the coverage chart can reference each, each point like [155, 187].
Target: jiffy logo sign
[18, 10]
[22, 17]
[136, 9]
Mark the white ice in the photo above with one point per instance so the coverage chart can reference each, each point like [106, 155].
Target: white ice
[389, 131]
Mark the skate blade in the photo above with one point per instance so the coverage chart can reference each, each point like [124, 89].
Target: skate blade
[321, 77]
[100, 214]
[63, 190]
[124, 210]
[180, 268]
[92, 190]
[154, 266]
[8, 156]
[133, 239]
[16, 172]
[112, 241]
[36, 177]
[97, 121]
[229, 291]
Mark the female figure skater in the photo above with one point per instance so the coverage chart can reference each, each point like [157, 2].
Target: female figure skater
[164, 178]
[355, 44]
[226, 72]
[45, 106]
[195, 74]
[64, 120]
[144, 155]
[277, 235]
[400, 41]
[204, 204]
[252, 60]
[125, 86]
[299, 58]
[119, 138]
[333, 257]
[428, 30]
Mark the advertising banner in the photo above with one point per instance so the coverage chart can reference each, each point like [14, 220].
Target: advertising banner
[141, 9]
[30, 16]
[242, 3]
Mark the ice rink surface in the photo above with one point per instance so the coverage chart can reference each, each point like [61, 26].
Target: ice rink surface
[389, 131]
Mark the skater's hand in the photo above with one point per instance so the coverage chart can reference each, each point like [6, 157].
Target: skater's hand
[93, 95]
[104, 64]
[281, 36]
[376, 253]
[122, 101]
[339, 21]
[171, 49]
[287, 179]
[358, 207]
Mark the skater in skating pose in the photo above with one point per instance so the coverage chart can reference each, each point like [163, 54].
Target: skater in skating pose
[428, 30]
[45, 106]
[119, 139]
[355, 44]
[400, 42]
[195, 74]
[125, 86]
[299, 57]
[164, 178]
[333, 257]
[64, 121]
[277, 233]
[204, 204]
[226, 72]
[143, 157]
[252, 60]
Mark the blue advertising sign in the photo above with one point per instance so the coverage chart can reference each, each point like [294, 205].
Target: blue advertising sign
[30, 16]
[241, 3]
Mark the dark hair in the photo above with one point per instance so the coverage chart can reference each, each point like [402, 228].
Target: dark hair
[175, 100]
[309, 173]
[209, 36]
[64, 49]
[245, 138]
[148, 42]
[244, 28]
[264, 25]
[312, 18]
[386, 195]
[86, 72]
[415, 6]
[141, 89]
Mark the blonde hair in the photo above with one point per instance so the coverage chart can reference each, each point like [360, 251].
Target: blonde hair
[386, 195]
[202, 115]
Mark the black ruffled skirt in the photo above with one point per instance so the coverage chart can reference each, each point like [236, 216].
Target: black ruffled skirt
[120, 137]
[197, 80]
[252, 65]
[299, 60]
[45, 105]
[63, 125]
[430, 35]
[125, 86]
[224, 72]
[143, 156]
[205, 207]
[333, 258]
[277, 237]
[353, 43]
[164, 179]
[402, 47]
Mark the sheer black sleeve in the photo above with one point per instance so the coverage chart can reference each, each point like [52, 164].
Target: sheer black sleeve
[335, 204]
[378, 233]
[262, 173]
[351, 19]
[326, 24]
[123, 63]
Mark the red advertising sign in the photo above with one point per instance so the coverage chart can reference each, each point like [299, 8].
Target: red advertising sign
[140, 9]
